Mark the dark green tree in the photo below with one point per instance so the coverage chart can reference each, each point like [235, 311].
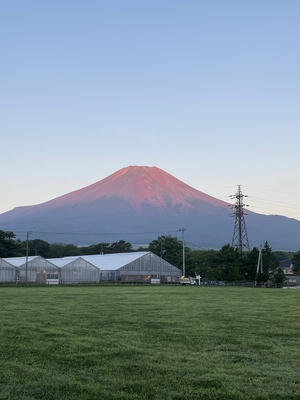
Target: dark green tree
[58, 250]
[170, 249]
[120, 247]
[9, 246]
[249, 267]
[278, 277]
[296, 263]
[205, 264]
[37, 247]
[100, 248]
[107, 248]
[269, 261]
[230, 261]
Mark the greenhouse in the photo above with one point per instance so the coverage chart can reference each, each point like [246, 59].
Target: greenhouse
[76, 271]
[147, 268]
[135, 267]
[34, 269]
[8, 272]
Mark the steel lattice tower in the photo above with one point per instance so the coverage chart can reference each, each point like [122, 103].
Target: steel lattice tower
[240, 237]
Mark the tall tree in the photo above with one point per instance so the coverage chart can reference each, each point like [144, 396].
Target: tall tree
[120, 247]
[230, 260]
[9, 246]
[296, 263]
[58, 250]
[249, 267]
[203, 263]
[278, 277]
[269, 261]
[170, 249]
[37, 247]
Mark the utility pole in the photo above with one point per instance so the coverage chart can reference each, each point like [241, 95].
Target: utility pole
[26, 268]
[182, 230]
[259, 267]
[240, 237]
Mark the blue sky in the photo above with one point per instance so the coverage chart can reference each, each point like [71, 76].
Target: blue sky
[208, 90]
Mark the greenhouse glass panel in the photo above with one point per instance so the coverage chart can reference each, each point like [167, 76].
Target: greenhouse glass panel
[8, 272]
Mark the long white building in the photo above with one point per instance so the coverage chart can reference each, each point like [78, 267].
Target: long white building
[134, 267]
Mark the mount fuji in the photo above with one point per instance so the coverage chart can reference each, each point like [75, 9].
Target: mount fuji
[140, 203]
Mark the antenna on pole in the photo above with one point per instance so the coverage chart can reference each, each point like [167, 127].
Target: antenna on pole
[182, 230]
[240, 237]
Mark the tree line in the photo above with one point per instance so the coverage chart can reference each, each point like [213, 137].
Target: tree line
[225, 264]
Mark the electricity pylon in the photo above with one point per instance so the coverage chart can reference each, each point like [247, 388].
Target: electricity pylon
[240, 237]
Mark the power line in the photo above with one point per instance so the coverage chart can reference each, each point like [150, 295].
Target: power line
[273, 190]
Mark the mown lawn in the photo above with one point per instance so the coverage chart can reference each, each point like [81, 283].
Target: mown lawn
[149, 342]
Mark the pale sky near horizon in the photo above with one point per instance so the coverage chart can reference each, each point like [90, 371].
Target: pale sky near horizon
[208, 91]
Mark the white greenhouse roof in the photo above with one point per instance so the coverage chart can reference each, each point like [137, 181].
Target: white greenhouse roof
[5, 263]
[18, 261]
[62, 262]
[111, 261]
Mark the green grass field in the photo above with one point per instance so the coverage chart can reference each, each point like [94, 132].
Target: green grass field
[149, 342]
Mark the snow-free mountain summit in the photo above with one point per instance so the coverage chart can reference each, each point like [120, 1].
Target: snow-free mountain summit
[137, 204]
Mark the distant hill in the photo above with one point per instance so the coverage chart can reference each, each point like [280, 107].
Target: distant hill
[139, 203]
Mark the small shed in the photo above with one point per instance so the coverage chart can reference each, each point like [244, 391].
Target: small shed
[33, 269]
[292, 280]
[77, 270]
[8, 272]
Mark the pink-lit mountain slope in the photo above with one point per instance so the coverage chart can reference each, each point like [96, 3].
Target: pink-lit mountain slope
[138, 186]
[137, 204]
[134, 188]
